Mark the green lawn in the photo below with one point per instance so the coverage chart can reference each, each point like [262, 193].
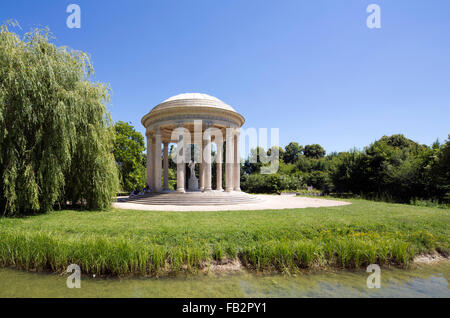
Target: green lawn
[118, 242]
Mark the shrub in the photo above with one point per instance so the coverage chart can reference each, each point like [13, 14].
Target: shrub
[319, 180]
[271, 183]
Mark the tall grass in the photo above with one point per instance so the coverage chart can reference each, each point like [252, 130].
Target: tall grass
[116, 257]
[120, 243]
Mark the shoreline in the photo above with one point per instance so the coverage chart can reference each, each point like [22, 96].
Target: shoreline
[430, 258]
[235, 265]
[228, 266]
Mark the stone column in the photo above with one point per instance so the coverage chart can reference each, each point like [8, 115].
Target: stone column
[180, 163]
[152, 172]
[229, 162]
[157, 159]
[166, 166]
[237, 163]
[149, 161]
[207, 174]
[201, 168]
[219, 166]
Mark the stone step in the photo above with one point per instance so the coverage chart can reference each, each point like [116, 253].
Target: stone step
[194, 198]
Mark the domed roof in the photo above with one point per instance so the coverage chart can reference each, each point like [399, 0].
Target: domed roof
[193, 100]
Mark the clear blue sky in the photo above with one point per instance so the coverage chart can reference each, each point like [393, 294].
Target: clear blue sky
[311, 68]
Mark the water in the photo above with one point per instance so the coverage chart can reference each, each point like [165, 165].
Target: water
[422, 281]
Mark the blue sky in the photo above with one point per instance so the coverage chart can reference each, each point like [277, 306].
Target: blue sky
[311, 68]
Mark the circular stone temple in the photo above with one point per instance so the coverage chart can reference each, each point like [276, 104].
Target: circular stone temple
[199, 120]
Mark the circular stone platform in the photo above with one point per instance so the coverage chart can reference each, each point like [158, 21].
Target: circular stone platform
[220, 201]
[196, 198]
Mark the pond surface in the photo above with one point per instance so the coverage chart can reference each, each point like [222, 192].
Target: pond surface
[421, 281]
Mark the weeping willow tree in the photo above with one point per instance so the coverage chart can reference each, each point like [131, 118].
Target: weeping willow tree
[56, 135]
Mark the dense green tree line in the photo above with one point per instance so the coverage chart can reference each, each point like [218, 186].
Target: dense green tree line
[128, 151]
[56, 136]
[393, 168]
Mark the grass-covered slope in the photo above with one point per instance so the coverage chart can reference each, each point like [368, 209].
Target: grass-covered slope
[119, 242]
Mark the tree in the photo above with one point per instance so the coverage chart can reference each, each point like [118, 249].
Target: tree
[392, 168]
[56, 135]
[397, 141]
[439, 170]
[280, 152]
[348, 174]
[256, 158]
[319, 180]
[128, 151]
[314, 151]
[292, 152]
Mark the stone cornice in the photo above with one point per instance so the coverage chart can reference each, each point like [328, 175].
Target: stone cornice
[183, 113]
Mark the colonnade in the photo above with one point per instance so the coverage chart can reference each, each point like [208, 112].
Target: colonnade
[158, 160]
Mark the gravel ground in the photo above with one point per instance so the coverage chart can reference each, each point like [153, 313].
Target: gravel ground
[269, 202]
